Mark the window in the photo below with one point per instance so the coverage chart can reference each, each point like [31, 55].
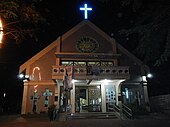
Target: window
[93, 63]
[66, 63]
[80, 63]
[107, 63]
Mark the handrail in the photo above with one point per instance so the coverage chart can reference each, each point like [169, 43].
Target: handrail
[124, 110]
[127, 111]
[117, 108]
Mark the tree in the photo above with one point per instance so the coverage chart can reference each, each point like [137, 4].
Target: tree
[20, 18]
[153, 28]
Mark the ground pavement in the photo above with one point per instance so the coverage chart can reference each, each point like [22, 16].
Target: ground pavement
[154, 120]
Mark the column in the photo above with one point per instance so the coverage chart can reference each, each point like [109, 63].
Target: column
[103, 98]
[24, 98]
[145, 90]
[72, 92]
[59, 97]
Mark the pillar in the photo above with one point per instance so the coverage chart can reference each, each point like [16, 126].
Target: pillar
[24, 98]
[145, 90]
[72, 92]
[103, 98]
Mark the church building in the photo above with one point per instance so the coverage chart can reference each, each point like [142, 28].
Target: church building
[84, 70]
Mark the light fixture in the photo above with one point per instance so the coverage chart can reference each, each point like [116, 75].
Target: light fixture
[149, 75]
[4, 95]
[21, 76]
[26, 76]
[144, 78]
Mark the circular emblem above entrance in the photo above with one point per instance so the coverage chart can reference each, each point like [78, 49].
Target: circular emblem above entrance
[87, 45]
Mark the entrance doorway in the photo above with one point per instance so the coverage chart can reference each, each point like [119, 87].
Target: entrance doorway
[110, 98]
[88, 99]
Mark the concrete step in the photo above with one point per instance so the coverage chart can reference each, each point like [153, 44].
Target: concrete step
[92, 116]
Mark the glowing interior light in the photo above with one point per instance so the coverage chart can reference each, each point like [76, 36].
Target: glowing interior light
[100, 100]
[1, 31]
[85, 9]
[105, 81]
[127, 93]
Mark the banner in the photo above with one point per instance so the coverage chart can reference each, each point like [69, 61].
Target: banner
[65, 80]
[68, 78]
[71, 77]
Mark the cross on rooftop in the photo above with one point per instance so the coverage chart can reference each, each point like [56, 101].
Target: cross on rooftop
[85, 9]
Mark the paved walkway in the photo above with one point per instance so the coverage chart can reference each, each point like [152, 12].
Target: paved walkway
[147, 121]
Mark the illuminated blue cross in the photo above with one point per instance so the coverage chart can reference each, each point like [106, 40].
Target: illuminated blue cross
[85, 9]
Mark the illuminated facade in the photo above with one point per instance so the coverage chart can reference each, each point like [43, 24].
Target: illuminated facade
[84, 70]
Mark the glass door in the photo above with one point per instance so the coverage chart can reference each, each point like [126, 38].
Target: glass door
[110, 98]
[81, 99]
[88, 99]
[95, 101]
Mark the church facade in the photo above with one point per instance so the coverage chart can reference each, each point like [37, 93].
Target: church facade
[84, 70]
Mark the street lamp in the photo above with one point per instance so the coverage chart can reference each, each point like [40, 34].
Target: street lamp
[149, 75]
[21, 76]
[4, 95]
[1, 33]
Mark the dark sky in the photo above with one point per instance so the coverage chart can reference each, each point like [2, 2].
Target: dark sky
[62, 15]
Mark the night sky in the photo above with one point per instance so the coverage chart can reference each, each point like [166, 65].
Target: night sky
[62, 16]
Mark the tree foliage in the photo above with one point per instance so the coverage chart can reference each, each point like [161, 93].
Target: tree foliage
[153, 28]
[20, 18]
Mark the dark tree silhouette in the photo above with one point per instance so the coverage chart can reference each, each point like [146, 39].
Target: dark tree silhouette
[151, 27]
[20, 18]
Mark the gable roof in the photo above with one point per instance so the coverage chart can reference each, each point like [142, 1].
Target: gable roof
[37, 56]
[133, 57]
[70, 32]
[91, 25]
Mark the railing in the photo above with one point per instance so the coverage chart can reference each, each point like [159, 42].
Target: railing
[123, 111]
[127, 112]
[86, 72]
[117, 108]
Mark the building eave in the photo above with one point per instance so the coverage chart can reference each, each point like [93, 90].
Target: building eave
[37, 56]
